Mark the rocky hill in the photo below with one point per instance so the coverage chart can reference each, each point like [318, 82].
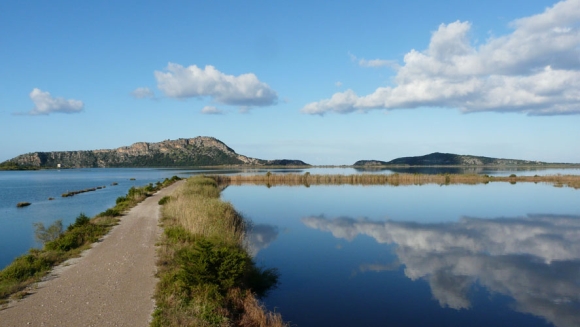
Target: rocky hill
[448, 159]
[198, 151]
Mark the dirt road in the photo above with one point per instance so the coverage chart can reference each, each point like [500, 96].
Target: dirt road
[111, 285]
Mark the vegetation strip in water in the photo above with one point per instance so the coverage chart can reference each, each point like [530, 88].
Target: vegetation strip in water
[60, 246]
[207, 277]
[307, 179]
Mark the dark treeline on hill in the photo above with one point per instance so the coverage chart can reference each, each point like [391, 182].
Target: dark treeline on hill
[8, 165]
[449, 159]
[199, 151]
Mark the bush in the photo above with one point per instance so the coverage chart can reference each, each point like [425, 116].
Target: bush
[25, 267]
[164, 200]
[209, 263]
[76, 237]
[178, 234]
[110, 213]
[81, 220]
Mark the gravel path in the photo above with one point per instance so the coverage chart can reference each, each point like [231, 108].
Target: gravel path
[112, 284]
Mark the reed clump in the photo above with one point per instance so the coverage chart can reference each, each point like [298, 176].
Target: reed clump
[393, 179]
[207, 277]
[60, 245]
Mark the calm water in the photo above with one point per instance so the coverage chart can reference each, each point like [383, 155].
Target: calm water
[484, 255]
[16, 224]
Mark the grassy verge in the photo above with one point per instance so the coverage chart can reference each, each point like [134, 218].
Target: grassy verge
[394, 179]
[207, 278]
[60, 246]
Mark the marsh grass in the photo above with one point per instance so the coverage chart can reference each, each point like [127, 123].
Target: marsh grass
[206, 276]
[393, 179]
[61, 245]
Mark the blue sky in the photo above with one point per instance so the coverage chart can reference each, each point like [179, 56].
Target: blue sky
[324, 82]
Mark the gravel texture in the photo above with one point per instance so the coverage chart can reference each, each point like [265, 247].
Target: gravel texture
[112, 284]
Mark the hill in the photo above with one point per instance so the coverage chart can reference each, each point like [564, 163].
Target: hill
[198, 151]
[449, 159]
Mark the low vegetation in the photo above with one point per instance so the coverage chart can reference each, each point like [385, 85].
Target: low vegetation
[9, 165]
[60, 244]
[22, 204]
[393, 179]
[207, 278]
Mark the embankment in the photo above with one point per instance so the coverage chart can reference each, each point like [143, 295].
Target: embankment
[207, 278]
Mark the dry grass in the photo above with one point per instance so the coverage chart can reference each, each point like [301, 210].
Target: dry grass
[393, 179]
[198, 208]
[255, 314]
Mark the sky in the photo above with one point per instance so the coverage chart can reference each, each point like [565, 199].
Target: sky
[326, 82]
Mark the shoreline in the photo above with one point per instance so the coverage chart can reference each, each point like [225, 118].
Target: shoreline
[110, 283]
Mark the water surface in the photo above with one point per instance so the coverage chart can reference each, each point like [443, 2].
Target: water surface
[459, 255]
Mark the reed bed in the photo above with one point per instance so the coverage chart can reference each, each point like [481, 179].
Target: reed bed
[206, 276]
[393, 179]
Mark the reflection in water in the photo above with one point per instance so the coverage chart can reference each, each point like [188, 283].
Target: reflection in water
[534, 259]
[260, 237]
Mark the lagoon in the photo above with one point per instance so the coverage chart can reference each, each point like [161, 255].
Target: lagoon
[478, 255]
[460, 255]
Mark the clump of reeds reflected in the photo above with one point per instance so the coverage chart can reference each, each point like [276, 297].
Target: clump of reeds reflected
[393, 179]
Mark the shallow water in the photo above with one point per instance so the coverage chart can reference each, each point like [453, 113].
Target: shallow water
[460, 255]
[36, 187]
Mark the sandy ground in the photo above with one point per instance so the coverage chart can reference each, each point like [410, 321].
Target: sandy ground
[112, 284]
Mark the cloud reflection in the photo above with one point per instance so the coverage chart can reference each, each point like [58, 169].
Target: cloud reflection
[260, 237]
[533, 259]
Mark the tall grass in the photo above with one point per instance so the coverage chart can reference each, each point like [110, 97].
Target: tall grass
[207, 278]
[60, 246]
[393, 179]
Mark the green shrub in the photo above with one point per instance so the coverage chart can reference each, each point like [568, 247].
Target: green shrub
[81, 220]
[209, 263]
[111, 212]
[28, 266]
[178, 234]
[76, 237]
[164, 200]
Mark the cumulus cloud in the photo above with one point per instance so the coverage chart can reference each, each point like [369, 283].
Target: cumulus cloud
[192, 82]
[534, 70]
[143, 93]
[534, 259]
[45, 104]
[211, 110]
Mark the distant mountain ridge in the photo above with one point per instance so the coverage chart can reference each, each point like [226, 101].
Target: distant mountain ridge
[198, 151]
[449, 159]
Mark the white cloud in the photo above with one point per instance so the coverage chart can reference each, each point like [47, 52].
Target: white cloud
[378, 63]
[190, 82]
[533, 70]
[338, 84]
[374, 63]
[211, 110]
[143, 93]
[45, 104]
